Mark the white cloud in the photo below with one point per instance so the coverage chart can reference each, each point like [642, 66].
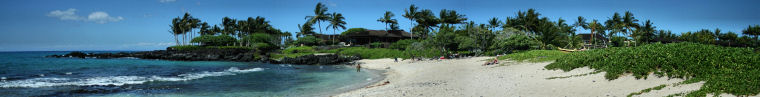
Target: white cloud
[97, 17]
[103, 17]
[65, 15]
[166, 1]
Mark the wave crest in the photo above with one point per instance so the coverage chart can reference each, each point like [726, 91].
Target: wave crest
[118, 80]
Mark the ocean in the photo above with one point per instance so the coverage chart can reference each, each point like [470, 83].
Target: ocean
[24, 74]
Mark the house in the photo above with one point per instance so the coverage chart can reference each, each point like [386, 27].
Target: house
[601, 41]
[370, 36]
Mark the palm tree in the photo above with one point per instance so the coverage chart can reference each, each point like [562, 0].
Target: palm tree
[752, 31]
[646, 32]
[320, 14]
[614, 25]
[628, 22]
[241, 30]
[176, 29]
[337, 22]
[305, 29]
[194, 23]
[426, 20]
[229, 26]
[215, 30]
[387, 19]
[494, 22]
[581, 22]
[205, 29]
[594, 26]
[411, 14]
[451, 17]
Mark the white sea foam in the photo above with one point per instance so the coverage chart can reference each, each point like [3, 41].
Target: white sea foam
[118, 80]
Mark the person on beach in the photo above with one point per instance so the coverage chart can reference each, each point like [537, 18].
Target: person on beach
[495, 60]
[358, 67]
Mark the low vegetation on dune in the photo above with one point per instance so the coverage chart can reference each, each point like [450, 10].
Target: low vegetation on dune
[534, 55]
[723, 69]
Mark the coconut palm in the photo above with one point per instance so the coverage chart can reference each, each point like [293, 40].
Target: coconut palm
[628, 22]
[613, 25]
[451, 17]
[320, 14]
[594, 26]
[426, 20]
[176, 29]
[229, 26]
[581, 22]
[305, 29]
[387, 19]
[752, 31]
[494, 22]
[337, 22]
[205, 29]
[215, 30]
[411, 14]
[646, 32]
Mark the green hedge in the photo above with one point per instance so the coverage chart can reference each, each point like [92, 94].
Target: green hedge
[534, 55]
[371, 53]
[724, 69]
[210, 40]
[353, 30]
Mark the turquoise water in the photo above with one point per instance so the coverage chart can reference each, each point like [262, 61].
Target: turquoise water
[31, 74]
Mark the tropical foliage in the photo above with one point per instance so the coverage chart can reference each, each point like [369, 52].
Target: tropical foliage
[724, 69]
[535, 55]
[211, 40]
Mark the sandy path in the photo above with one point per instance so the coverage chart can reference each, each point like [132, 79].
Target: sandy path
[467, 78]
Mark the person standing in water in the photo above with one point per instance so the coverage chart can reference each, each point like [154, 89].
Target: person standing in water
[358, 67]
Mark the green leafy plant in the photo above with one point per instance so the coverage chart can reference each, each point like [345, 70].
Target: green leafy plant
[402, 44]
[353, 30]
[534, 55]
[723, 69]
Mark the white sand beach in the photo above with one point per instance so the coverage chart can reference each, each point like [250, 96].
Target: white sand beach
[468, 78]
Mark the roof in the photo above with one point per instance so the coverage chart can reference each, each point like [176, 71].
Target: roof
[380, 33]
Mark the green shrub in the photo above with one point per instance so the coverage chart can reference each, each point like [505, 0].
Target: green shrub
[186, 47]
[353, 30]
[293, 52]
[210, 40]
[402, 44]
[376, 45]
[535, 55]
[371, 53]
[301, 49]
[617, 41]
[230, 47]
[308, 40]
[723, 69]
[518, 42]
[260, 41]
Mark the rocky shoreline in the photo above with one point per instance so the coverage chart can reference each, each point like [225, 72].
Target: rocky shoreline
[238, 55]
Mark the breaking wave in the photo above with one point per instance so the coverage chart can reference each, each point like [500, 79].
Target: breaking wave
[118, 80]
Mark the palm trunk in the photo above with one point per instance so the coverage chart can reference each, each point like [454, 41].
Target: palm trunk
[411, 34]
[333, 39]
[176, 39]
[183, 38]
[592, 38]
[386, 26]
[320, 26]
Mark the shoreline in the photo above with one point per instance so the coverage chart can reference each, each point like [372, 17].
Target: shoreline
[466, 77]
[378, 75]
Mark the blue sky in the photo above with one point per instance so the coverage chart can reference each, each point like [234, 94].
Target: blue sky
[70, 25]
